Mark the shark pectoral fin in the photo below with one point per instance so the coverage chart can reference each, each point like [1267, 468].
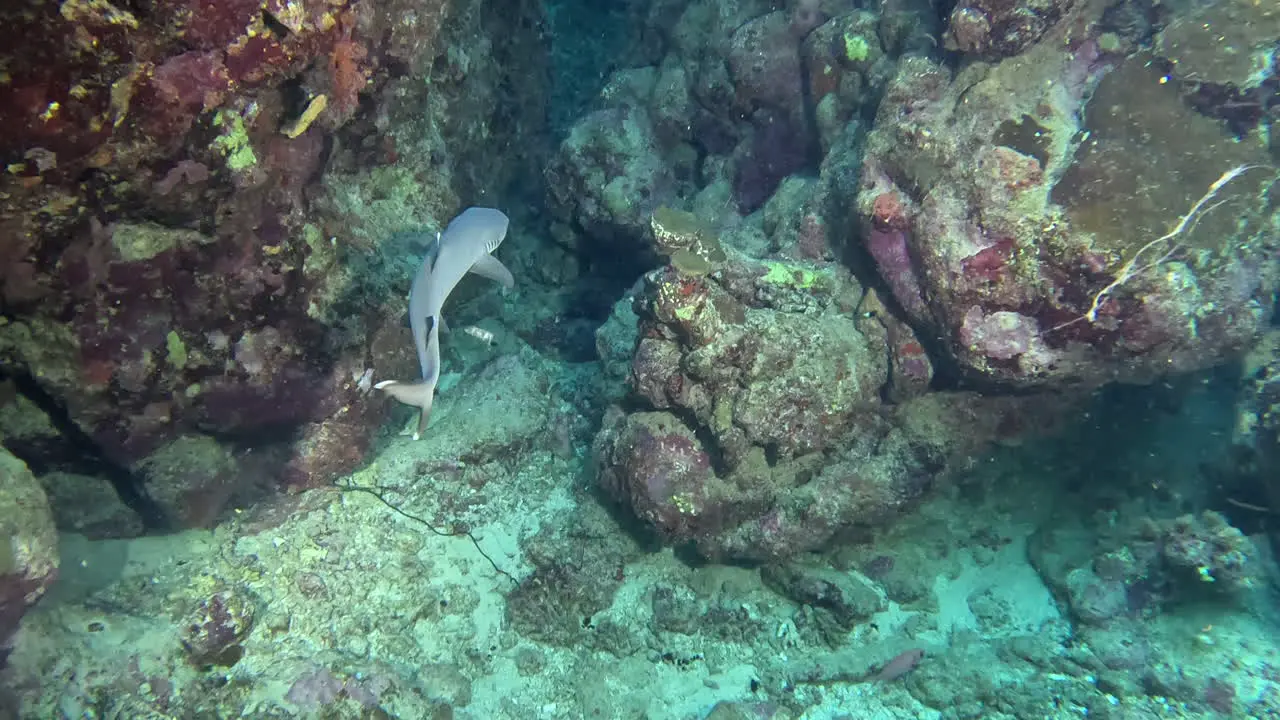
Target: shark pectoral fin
[444, 326]
[490, 267]
[420, 395]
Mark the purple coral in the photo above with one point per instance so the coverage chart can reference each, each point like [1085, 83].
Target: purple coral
[890, 251]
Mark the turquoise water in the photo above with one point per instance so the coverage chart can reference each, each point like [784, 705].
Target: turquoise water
[844, 360]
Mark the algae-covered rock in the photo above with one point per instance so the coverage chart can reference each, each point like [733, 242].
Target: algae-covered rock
[191, 479]
[848, 598]
[90, 506]
[1021, 213]
[608, 178]
[28, 543]
[1226, 42]
[758, 425]
[1000, 28]
[659, 468]
[143, 241]
[692, 245]
[1147, 158]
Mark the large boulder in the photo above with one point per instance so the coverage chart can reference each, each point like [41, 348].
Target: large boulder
[1065, 217]
[775, 405]
[28, 545]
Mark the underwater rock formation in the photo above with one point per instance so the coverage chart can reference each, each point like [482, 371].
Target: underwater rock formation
[763, 429]
[1017, 210]
[154, 234]
[609, 175]
[1054, 219]
[1001, 28]
[746, 98]
[1256, 434]
[174, 272]
[28, 545]
[1240, 87]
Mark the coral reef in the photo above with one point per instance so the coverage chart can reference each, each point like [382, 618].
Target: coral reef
[154, 273]
[1020, 211]
[892, 360]
[745, 98]
[174, 271]
[1150, 566]
[765, 432]
[610, 176]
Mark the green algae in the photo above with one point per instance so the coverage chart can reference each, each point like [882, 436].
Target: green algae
[856, 47]
[234, 141]
[176, 350]
[138, 242]
[788, 275]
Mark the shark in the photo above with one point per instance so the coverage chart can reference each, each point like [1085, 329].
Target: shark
[466, 245]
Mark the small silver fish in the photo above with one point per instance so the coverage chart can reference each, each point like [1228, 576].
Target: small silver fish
[479, 333]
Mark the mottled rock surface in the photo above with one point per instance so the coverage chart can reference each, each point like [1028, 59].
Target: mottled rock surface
[196, 249]
[1016, 211]
[28, 544]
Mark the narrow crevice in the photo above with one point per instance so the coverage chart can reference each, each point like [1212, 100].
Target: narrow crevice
[129, 485]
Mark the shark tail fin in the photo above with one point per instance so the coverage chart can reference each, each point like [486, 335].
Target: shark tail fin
[419, 395]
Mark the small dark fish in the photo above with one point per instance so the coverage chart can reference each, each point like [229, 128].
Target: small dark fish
[899, 666]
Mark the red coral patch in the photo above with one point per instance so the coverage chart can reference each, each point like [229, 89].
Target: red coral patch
[990, 263]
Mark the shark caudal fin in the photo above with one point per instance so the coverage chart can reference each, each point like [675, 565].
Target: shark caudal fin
[419, 395]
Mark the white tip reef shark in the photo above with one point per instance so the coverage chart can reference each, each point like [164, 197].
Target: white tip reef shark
[464, 246]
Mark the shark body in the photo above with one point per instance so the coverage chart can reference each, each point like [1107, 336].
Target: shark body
[464, 246]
